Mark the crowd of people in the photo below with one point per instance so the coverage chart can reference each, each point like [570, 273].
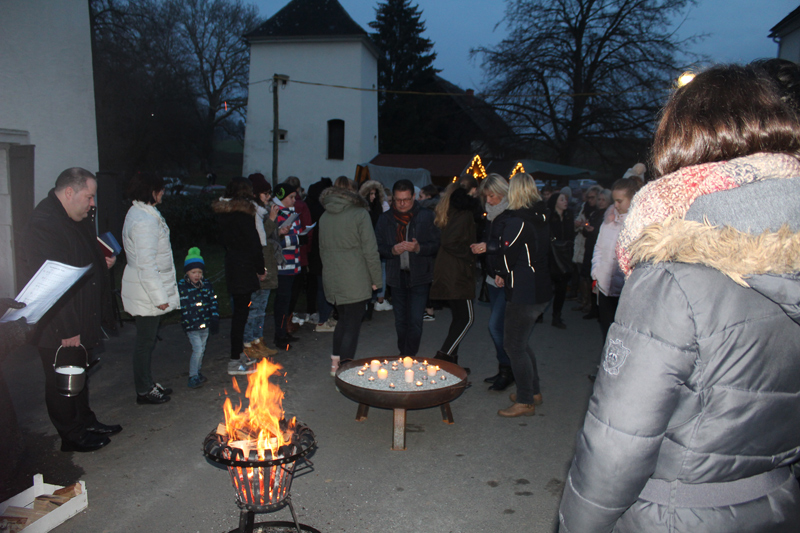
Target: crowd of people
[693, 278]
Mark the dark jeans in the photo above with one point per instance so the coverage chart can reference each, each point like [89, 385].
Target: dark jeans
[409, 306]
[241, 310]
[463, 317]
[607, 309]
[497, 299]
[283, 299]
[345, 336]
[70, 415]
[298, 284]
[146, 333]
[560, 284]
[520, 320]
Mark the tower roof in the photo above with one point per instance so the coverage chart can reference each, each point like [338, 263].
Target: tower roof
[308, 18]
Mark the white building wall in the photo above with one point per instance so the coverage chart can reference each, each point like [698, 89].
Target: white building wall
[789, 48]
[46, 85]
[46, 99]
[304, 110]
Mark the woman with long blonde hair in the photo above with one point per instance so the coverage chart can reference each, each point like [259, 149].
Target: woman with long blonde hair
[524, 272]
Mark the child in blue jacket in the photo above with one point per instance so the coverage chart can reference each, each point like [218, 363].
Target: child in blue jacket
[199, 312]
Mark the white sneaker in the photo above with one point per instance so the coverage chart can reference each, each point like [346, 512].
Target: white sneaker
[313, 318]
[246, 361]
[324, 328]
[299, 318]
[383, 306]
[236, 368]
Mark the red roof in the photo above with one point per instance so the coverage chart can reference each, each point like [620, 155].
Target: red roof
[437, 165]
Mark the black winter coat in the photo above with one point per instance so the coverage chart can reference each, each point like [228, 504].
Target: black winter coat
[454, 268]
[421, 228]
[526, 247]
[244, 260]
[52, 234]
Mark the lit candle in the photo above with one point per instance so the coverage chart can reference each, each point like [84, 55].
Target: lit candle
[433, 382]
[391, 385]
[407, 362]
[385, 361]
[431, 370]
[383, 373]
[372, 378]
[414, 361]
[422, 369]
[419, 384]
[409, 376]
[425, 362]
[360, 372]
[374, 365]
[443, 376]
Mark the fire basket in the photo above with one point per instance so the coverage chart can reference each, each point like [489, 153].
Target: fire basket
[262, 485]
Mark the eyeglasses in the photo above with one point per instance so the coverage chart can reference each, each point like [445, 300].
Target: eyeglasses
[403, 200]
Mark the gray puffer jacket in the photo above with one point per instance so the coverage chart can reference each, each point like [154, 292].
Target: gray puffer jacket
[696, 410]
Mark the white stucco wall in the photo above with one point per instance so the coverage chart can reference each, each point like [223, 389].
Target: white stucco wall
[304, 110]
[789, 47]
[46, 86]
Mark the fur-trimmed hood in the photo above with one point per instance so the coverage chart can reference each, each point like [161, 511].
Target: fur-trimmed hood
[372, 185]
[336, 200]
[755, 247]
[233, 205]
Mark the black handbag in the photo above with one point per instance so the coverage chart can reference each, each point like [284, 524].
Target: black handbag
[562, 255]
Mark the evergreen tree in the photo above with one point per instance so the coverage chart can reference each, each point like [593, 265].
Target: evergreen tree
[405, 64]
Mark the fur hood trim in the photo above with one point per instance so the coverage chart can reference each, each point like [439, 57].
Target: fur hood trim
[372, 185]
[734, 253]
[233, 205]
[351, 197]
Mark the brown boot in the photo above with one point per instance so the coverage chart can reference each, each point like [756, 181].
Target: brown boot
[262, 347]
[537, 398]
[518, 409]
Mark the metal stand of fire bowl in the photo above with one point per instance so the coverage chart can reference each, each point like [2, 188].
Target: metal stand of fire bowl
[401, 401]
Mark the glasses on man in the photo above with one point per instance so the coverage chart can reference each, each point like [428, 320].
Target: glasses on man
[403, 200]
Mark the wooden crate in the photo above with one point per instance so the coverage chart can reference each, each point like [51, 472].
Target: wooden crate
[54, 518]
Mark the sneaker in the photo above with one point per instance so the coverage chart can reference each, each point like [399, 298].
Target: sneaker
[195, 382]
[324, 328]
[428, 318]
[299, 318]
[163, 390]
[313, 318]
[200, 375]
[246, 361]
[155, 396]
[237, 368]
[383, 306]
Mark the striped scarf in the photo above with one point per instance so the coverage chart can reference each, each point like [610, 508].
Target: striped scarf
[402, 223]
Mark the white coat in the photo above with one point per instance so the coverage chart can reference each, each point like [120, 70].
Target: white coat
[149, 277]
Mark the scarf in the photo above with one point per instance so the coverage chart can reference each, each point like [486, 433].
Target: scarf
[402, 223]
[492, 211]
[673, 195]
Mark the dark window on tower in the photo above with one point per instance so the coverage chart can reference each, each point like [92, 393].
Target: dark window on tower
[336, 139]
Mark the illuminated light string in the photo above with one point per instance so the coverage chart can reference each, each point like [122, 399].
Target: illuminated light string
[519, 169]
[462, 94]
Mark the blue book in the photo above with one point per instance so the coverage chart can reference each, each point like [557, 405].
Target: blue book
[109, 244]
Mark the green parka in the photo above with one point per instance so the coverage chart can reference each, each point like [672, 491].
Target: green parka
[350, 261]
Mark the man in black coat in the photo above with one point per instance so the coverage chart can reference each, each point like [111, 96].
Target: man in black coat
[60, 229]
[408, 240]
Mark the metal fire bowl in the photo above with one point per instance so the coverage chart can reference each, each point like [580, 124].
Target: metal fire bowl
[418, 399]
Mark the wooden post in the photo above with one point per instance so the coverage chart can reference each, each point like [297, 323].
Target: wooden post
[276, 135]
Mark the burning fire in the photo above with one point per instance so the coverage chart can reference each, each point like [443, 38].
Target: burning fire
[259, 425]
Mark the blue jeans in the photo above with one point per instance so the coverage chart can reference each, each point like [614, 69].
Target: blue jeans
[519, 323]
[497, 301]
[198, 340]
[324, 308]
[254, 328]
[409, 306]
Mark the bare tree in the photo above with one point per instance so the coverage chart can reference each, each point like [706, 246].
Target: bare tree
[576, 70]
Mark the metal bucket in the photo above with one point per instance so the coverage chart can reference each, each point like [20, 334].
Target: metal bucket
[70, 379]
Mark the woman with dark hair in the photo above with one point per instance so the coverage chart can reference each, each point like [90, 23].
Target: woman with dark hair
[591, 230]
[454, 268]
[235, 214]
[372, 192]
[694, 419]
[149, 286]
[525, 245]
[562, 235]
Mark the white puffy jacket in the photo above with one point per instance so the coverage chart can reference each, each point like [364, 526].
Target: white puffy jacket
[149, 277]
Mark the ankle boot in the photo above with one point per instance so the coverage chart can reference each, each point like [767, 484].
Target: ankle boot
[504, 379]
[492, 379]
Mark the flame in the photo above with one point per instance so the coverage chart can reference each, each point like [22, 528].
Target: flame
[260, 422]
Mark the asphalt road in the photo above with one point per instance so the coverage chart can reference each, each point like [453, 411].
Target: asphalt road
[484, 473]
